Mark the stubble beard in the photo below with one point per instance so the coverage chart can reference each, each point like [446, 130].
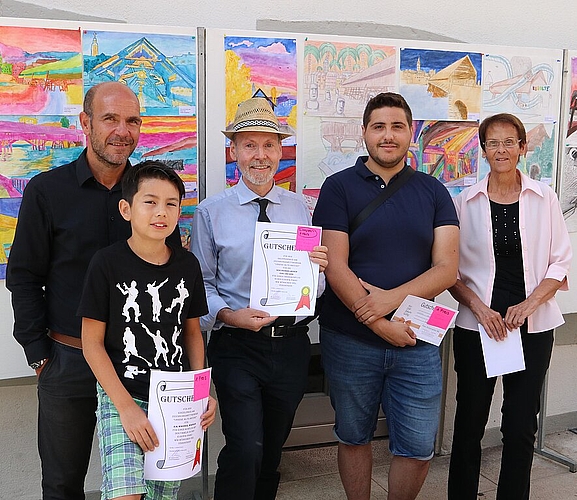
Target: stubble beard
[109, 159]
[392, 163]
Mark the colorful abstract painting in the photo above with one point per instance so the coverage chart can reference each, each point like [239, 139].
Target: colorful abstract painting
[341, 77]
[172, 139]
[160, 69]
[40, 71]
[263, 67]
[33, 144]
[525, 84]
[8, 216]
[441, 84]
[447, 150]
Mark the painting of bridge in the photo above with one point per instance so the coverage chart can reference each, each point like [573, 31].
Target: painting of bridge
[527, 86]
[40, 71]
[33, 144]
[441, 84]
[447, 150]
[159, 68]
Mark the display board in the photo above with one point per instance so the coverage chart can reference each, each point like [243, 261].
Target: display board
[318, 84]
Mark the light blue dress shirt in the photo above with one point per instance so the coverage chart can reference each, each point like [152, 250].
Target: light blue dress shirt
[223, 239]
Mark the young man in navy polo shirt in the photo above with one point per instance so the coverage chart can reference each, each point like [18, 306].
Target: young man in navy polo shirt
[407, 246]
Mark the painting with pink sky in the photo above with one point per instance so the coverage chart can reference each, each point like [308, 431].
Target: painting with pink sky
[263, 67]
[41, 71]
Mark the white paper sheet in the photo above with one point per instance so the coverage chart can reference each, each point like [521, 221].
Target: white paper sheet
[176, 402]
[505, 356]
[284, 280]
[429, 320]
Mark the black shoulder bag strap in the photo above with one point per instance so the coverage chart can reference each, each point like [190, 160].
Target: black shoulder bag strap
[379, 200]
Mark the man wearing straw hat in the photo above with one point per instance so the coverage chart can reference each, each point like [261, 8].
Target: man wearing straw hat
[259, 362]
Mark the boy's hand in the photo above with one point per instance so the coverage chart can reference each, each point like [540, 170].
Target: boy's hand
[207, 418]
[138, 427]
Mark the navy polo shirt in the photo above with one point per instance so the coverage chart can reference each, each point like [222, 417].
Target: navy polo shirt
[392, 246]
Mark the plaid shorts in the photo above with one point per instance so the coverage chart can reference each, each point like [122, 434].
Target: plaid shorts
[122, 460]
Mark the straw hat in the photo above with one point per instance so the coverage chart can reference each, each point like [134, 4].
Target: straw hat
[256, 115]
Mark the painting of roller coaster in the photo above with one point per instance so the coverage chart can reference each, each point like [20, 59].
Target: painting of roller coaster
[159, 68]
[340, 78]
[527, 85]
[441, 85]
[263, 67]
[40, 71]
[447, 150]
[539, 162]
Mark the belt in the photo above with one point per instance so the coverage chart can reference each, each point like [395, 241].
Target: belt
[68, 340]
[272, 331]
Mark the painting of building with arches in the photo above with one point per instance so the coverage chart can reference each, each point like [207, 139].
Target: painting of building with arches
[340, 78]
[440, 84]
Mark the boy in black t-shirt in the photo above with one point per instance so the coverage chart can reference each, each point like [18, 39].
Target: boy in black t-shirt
[140, 310]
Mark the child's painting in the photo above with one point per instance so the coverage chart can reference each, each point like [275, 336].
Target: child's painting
[40, 71]
[539, 162]
[441, 84]
[8, 216]
[263, 67]
[568, 191]
[447, 150]
[160, 69]
[526, 85]
[332, 144]
[172, 139]
[340, 77]
[34, 144]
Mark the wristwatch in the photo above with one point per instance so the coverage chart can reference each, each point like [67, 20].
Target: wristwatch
[38, 364]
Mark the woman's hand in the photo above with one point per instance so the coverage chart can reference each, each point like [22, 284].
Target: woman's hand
[491, 320]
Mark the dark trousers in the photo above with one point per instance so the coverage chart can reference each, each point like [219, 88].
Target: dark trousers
[521, 401]
[259, 383]
[66, 420]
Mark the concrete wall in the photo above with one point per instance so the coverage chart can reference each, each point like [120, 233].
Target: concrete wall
[531, 24]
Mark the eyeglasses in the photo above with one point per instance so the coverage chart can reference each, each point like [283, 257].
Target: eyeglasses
[508, 143]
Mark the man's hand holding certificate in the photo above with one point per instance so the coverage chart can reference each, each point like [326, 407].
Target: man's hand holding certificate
[284, 280]
[429, 320]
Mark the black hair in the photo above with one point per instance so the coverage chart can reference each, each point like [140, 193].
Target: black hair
[149, 169]
[387, 100]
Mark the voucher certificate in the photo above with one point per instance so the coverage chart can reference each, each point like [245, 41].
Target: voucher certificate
[176, 402]
[284, 280]
[429, 320]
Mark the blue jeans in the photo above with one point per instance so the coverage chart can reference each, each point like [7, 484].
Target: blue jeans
[405, 382]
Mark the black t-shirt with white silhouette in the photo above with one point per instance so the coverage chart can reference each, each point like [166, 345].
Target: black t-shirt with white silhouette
[144, 307]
